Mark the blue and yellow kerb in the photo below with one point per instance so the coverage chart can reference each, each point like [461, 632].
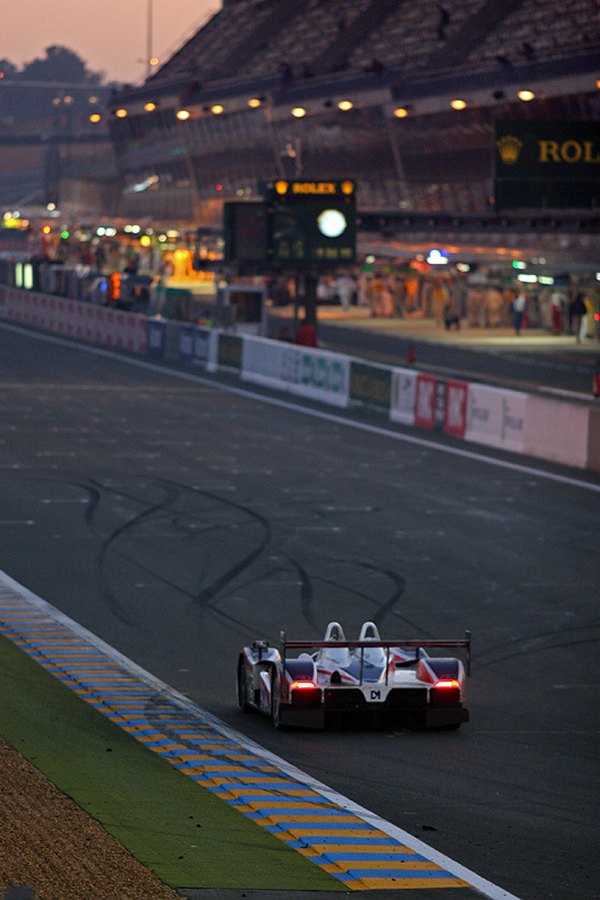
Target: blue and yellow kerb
[348, 847]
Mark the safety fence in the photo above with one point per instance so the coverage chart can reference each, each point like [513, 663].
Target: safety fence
[563, 431]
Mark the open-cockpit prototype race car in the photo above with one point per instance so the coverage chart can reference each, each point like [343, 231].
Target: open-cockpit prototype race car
[393, 682]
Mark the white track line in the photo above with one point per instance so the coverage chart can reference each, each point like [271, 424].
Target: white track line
[315, 413]
[481, 885]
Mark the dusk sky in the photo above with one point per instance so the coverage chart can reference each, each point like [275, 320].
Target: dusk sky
[110, 36]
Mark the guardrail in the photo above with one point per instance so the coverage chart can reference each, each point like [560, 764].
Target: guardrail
[558, 430]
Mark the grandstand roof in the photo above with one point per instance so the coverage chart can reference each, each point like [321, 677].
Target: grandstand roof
[300, 40]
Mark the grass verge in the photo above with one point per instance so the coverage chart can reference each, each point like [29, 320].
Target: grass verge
[190, 838]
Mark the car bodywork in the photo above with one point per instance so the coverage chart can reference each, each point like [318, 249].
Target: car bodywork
[394, 683]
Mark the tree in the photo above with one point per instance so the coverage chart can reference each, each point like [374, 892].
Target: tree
[59, 65]
[7, 69]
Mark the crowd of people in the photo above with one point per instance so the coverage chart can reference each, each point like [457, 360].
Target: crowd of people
[484, 300]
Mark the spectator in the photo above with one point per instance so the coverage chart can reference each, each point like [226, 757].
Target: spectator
[577, 310]
[451, 317]
[439, 299]
[375, 296]
[323, 289]
[306, 335]
[556, 309]
[519, 306]
[346, 288]
[398, 293]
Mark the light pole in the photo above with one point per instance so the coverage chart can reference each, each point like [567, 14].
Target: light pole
[149, 37]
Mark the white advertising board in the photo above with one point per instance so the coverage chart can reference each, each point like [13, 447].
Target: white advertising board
[557, 430]
[198, 346]
[317, 374]
[403, 396]
[496, 417]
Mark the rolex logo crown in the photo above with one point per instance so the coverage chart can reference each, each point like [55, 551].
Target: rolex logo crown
[509, 148]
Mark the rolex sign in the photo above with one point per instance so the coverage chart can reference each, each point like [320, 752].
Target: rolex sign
[547, 165]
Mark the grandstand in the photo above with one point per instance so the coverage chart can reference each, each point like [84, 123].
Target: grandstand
[400, 67]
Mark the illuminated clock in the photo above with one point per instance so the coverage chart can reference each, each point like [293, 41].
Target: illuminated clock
[332, 223]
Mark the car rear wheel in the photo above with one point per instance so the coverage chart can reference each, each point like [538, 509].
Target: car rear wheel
[242, 687]
[276, 700]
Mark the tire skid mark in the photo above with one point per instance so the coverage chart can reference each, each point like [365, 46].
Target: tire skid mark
[306, 592]
[388, 606]
[210, 591]
[107, 544]
[511, 642]
[547, 648]
[96, 493]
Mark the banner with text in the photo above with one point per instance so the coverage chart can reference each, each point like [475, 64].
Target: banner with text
[309, 373]
[496, 417]
[198, 346]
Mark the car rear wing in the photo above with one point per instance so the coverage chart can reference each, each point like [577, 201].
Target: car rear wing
[465, 644]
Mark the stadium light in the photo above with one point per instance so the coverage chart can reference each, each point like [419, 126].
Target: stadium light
[121, 113]
[298, 112]
[217, 108]
[345, 105]
[183, 115]
[150, 106]
[255, 102]
[401, 112]
[458, 104]
[95, 118]
[526, 95]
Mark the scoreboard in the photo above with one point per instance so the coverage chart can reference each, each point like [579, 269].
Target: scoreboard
[312, 221]
[298, 222]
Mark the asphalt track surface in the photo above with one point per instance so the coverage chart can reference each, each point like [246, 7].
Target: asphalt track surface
[177, 522]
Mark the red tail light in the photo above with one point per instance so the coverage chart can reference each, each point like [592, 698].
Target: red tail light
[447, 683]
[301, 685]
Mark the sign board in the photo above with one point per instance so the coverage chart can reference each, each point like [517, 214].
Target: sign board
[547, 164]
[245, 231]
[312, 221]
[298, 223]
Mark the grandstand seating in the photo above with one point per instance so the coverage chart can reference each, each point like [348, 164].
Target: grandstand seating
[543, 28]
[303, 38]
[202, 55]
[414, 35]
[317, 28]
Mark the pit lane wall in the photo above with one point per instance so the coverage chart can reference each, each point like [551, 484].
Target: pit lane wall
[527, 424]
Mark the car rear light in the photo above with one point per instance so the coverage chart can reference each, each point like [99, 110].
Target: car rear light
[302, 685]
[447, 683]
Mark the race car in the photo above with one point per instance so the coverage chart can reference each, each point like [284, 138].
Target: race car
[394, 683]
